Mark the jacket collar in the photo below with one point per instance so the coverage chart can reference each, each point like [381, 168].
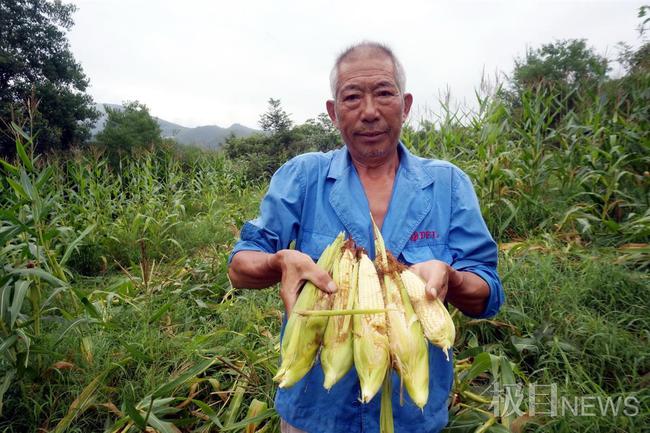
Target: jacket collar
[407, 208]
[409, 163]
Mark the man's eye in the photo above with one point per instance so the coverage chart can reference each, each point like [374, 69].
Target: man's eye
[352, 97]
[385, 93]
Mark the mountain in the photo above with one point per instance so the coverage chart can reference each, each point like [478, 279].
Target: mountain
[209, 136]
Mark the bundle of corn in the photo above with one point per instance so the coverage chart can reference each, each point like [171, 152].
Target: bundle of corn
[379, 314]
[408, 347]
[336, 355]
[436, 321]
[303, 334]
[371, 354]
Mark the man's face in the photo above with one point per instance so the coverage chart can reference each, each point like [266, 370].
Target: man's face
[369, 109]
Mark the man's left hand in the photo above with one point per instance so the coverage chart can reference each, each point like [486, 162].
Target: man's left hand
[439, 277]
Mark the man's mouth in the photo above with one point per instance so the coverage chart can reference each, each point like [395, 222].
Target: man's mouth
[370, 133]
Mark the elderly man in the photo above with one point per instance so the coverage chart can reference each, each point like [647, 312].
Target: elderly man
[429, 217]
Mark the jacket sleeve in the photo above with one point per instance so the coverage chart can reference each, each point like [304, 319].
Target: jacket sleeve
[278, 221]
[471, 245]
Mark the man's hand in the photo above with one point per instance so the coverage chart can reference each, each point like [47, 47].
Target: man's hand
[296, 268]
[466, 290]
[439, 277]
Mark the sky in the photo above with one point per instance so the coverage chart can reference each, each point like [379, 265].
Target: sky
[200, 62]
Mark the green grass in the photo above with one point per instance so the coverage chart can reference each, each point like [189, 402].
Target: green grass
[575, 319]
[117, 312]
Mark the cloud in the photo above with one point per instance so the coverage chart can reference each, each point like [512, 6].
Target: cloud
[204, 62]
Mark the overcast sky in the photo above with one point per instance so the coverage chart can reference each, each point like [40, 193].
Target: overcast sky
[199, 62]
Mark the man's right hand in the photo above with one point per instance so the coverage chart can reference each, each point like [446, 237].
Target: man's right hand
[291, 268]
[296, 268]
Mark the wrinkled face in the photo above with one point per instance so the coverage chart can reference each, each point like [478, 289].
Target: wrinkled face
[369, 109]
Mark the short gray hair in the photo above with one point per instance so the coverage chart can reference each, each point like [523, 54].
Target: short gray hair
[400, 75]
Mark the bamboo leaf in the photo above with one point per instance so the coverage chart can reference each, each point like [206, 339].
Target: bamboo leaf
[162, 426]
[158, 314]
[75, 243]
[255, 408]
[207, 410]
[20, 131]
[134, 414]
[170, 386]
[20, 149]
[37, 272]
[85, 399]
[6, 382]
[20, 289]
[12, 169]
[7, 343]
[243, 423]
[18, 188]
[235, 402]
[481, 364]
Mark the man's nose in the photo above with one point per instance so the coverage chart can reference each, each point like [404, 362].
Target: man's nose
[369, 109]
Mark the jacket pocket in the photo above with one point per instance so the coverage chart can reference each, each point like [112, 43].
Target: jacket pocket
[313, 244]
[422, 253]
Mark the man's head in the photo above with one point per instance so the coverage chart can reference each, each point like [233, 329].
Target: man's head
[369, 105]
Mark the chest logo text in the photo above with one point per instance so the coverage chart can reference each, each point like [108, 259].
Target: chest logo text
[424, 235]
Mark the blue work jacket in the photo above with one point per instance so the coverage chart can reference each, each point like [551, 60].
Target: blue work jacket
[433, 214]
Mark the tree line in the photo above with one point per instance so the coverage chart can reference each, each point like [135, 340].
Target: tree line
[42, 91]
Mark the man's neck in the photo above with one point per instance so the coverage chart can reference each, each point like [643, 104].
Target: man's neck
[377, 168]
[378, 178]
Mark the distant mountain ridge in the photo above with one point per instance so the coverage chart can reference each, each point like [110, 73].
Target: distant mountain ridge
[209, 136]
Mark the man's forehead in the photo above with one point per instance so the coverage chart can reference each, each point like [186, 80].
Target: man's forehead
[366, 79]
[366, 60]
[376, 68]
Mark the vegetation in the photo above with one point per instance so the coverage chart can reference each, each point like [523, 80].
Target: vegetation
[263, 154]
[128, 132]
[116, 313]
[35, 61]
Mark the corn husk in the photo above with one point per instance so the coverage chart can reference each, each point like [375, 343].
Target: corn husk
[303, 334]
[408, 347]
[337, 354]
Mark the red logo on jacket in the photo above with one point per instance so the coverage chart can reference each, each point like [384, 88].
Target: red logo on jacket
[424, 235]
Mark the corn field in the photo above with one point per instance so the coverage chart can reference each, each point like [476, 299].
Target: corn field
[116, 313]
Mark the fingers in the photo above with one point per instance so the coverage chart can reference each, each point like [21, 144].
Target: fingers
[436, 275]
[296, 269]
[437, 291]
[322, 280]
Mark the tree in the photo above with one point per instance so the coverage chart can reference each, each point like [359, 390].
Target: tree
[567, 64]
[129, 131]
[263, 154]
[275, 119]
[35, 59]
[565, 74]
[317, 135]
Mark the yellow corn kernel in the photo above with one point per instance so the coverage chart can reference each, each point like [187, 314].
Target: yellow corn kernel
[337, 354]
[371, 355]
[437, 324]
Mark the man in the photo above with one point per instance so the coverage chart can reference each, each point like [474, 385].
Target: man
[428, 214]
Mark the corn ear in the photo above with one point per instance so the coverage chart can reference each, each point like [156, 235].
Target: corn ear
[437, 324]
[336, 355]
[303, 334]
[370, 341]
[408, 347]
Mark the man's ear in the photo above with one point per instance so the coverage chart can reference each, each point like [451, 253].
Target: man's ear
[332, 112]
[408, 101]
